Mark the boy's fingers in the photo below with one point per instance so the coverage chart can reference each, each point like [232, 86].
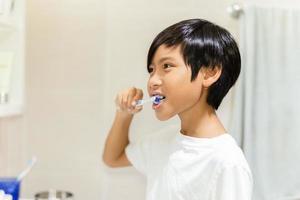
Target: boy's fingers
[139, 108]
[138, 94]
[117, 100]
[120, 101]
[123, 101]
[133, 103]
[136, 109]
[130, 96]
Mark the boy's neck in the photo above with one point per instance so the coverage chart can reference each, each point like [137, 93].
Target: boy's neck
[201, 121]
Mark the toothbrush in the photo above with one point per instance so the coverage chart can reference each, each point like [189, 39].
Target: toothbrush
[155, 99]
[31, 163]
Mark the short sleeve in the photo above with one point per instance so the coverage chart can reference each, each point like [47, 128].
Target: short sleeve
[138, 154]
[233, 183]
[149, 152]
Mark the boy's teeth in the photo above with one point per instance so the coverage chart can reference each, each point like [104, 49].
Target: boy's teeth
[158, 99]
[160, 96]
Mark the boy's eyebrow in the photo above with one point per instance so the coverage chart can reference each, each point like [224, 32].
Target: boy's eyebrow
[164, 59]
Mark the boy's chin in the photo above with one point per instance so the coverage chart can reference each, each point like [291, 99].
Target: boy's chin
[161, 117]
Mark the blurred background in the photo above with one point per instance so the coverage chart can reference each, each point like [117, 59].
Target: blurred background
[73, 56]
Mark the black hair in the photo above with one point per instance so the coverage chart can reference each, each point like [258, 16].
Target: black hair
[203, 44]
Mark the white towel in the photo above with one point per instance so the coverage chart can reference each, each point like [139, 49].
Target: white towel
[266, 117]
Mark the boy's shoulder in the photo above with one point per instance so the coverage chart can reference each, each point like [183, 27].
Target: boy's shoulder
[230, 154]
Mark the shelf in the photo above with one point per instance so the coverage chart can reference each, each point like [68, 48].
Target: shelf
[6, 26]
[8, 110]
[12, 39]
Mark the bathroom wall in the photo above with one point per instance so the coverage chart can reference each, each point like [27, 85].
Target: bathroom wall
[79, 54]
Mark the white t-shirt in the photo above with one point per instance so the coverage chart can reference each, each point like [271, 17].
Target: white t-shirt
[181, 167]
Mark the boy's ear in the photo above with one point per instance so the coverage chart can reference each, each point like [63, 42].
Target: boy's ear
[210, 75]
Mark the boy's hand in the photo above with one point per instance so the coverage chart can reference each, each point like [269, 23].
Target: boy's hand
[125, 101]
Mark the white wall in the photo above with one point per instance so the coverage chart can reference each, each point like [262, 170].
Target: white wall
[79, 55]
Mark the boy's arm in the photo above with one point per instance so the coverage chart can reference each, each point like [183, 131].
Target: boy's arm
[116, 142]
[117, 139]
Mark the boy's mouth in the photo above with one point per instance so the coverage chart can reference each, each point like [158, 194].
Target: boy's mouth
[158, 100]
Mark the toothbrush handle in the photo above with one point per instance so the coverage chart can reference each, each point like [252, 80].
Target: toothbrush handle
[140, 102]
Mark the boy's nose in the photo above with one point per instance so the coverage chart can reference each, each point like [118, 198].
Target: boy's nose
[154, 82]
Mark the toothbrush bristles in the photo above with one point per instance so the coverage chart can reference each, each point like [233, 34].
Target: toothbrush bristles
[154, 99]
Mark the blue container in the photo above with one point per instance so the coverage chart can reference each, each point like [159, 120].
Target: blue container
[10, 186]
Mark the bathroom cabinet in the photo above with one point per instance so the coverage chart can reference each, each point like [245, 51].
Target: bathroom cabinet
[12, 48]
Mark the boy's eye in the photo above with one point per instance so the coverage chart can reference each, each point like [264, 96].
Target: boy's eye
[167, 65]
[150, 70]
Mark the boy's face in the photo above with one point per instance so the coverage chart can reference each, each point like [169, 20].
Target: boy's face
[171, 78]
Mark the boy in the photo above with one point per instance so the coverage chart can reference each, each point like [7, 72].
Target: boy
[192, 65]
